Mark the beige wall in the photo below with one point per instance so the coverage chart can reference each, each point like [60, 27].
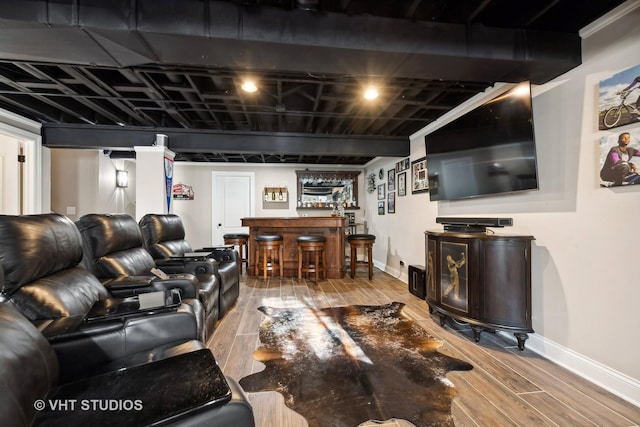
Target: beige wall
[83, 181]
[197, 213]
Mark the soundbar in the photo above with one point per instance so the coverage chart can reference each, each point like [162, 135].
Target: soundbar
[472, 225]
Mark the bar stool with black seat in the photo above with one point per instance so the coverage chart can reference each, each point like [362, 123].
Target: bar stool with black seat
[240, 240]
[308, 246]
[269, 254]
[364, 241]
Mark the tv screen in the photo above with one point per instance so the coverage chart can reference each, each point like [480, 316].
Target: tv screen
[489, 150]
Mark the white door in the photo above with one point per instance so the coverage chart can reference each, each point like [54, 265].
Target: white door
[10, 184]
[233, 199]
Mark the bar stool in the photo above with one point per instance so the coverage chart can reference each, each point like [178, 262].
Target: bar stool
[308, 245]
[269, 254]
[364, 241]
[242, 242]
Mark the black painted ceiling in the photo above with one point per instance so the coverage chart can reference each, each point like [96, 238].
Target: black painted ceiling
[111, 74]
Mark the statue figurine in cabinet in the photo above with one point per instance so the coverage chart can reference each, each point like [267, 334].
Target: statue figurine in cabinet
[454, 272]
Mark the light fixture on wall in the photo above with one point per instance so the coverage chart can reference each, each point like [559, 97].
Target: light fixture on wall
[122, 179]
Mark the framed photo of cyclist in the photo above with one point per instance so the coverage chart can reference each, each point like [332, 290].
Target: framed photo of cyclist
[619, 99]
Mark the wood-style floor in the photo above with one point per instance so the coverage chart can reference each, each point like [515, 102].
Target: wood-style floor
[507, 387]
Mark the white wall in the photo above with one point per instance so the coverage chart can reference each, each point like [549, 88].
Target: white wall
[585, 290]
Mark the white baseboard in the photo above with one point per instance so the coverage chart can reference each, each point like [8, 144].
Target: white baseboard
[617, 383]
[401, 275]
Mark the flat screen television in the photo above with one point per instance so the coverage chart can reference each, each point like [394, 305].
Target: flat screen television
[489, 150]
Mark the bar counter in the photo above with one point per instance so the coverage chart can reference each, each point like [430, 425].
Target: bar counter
[331, 227]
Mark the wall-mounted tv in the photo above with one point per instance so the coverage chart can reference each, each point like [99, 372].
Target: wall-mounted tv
[489, 150]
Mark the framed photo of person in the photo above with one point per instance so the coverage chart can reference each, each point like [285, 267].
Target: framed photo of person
[381, 208]
[402, 165]
[391, 180]
[419, 179]
[381, 192]
[391, 202]
[402, 184]
[614, 171]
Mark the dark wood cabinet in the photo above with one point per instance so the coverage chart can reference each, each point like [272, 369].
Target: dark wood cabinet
[480, 278]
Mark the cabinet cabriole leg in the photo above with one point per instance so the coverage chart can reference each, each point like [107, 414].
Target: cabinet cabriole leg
[476, 332]
[521, 339]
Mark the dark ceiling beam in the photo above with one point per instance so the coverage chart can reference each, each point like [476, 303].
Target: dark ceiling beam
[203, 141]
[226, 34]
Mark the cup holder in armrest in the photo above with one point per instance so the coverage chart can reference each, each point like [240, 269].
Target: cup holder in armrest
[142, 304]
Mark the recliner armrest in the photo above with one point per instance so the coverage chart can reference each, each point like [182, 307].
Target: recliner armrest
[188, 264]
[125, 286]
[224, 254]
[82, 350]
[183, 386]
[74, 327]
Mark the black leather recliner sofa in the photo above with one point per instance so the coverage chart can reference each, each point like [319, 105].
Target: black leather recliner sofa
[185, 390]
[42, 278]
[114, 251]
[164, 237]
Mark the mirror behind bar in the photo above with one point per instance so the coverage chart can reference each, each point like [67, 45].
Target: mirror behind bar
[327, 189]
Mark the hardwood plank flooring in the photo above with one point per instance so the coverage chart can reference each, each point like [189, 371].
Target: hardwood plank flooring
[507, 387]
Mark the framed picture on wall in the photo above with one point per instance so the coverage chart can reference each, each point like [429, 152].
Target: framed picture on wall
[617, 97]
[391, 202]
[419, 179]
[391, 180]
[402, 165]
[613, 171]
[381, 192]
[381, 208]
[402, 184]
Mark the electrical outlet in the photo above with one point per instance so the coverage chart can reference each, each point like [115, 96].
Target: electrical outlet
[401, 262]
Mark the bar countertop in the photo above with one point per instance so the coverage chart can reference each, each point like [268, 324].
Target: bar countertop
[331, 227]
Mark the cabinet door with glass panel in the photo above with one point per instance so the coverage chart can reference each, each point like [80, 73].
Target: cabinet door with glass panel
[327, 189]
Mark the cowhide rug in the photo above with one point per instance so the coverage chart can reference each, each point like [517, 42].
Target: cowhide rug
[343, 366]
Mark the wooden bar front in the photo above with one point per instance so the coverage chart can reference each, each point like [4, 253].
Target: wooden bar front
[332, 228]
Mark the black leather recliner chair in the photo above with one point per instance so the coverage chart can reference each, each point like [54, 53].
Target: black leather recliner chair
[42, 278]
[186, 390]
[114, 251]
[164, 237]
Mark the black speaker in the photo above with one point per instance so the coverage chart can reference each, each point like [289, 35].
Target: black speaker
[417, 281]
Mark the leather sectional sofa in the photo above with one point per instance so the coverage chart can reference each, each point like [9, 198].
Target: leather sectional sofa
[50, 350]
[114, 252]
[186, 389]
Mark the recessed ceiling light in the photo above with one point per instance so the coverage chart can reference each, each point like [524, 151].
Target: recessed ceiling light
[249, 86]
[371, 93]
